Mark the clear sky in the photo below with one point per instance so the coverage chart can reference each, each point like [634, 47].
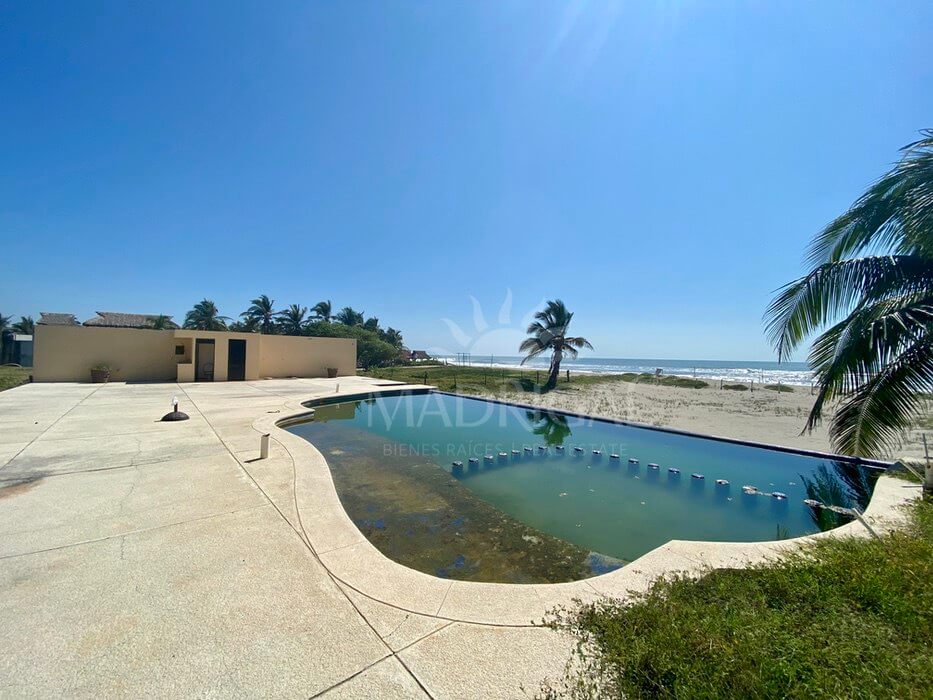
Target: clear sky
[660, 166]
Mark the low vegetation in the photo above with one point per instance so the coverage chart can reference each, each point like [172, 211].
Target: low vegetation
[375, 346]
[734, 387]
[780, 388]
[499, 380]
[13, 376]
[648, 378]
[847, 618]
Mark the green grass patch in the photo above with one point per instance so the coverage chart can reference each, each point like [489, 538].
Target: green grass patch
[735, 387]
[497, 380]
[846, 618]
[13, 376]
[780, 388]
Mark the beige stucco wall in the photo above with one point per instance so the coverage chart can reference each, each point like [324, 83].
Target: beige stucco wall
[294, 356]
[221, 352]
[67, 353]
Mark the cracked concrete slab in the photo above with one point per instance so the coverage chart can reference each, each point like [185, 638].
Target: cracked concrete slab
[477, 661]
[386, 679]
[228, 605]
[139, 558]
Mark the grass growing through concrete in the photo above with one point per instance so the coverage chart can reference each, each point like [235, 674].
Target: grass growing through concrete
[848, 618]
[13, 376]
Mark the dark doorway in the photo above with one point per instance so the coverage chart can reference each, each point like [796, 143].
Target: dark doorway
[204, 361]
[236, 361]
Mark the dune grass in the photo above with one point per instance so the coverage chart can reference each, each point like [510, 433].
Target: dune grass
[780, 388]
[498, 380]
[13, 376]
[735, 387]
[847, 618]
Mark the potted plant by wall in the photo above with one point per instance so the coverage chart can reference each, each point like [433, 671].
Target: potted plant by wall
[100, 374]
[331, 372]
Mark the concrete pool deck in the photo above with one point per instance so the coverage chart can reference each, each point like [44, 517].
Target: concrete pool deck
[165, 558]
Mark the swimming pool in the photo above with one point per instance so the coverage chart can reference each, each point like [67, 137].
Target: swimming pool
[479, 490]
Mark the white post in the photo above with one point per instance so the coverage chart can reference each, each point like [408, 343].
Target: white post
[264, 446]
[928, 477]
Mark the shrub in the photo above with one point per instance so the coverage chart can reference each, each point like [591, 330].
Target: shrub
[782, 388]
[845, 618]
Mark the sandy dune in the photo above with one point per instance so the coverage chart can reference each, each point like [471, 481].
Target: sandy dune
[762, 415]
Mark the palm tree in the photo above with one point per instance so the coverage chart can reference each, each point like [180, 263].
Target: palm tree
[549, 333]
[553, 427]
[205, 317]
[393, 337]
[372, 324]
[4, 322]
[349, 317]
[870, 285]
[322, 311]
[292, 319]
[162, 323]
[261, 308]
[246, 325]
[26, 325]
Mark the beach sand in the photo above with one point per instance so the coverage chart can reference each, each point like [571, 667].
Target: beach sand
[761, 416]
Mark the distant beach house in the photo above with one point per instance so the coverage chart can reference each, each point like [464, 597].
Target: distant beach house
[16, 348]
[47, 318]
[132, 350]
[116, 319]
[413, 355]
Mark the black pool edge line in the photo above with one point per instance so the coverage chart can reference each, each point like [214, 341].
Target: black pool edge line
[857, 461]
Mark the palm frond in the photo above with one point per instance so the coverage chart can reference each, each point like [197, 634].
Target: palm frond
[847, 355]
[893, 215]
[874, 416]
[833, 289]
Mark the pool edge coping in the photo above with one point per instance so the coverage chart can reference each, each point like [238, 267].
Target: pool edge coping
[354, 561]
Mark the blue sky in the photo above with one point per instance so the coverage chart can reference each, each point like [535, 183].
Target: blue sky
[658, 165]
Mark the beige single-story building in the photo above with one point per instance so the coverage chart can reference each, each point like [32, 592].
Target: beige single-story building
[67, 353]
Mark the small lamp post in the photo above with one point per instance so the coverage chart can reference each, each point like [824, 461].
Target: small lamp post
[175, 414]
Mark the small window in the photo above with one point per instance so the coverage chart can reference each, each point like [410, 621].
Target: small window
[179, 349]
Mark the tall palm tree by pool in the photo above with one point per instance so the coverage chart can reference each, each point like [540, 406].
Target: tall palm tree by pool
[871, 283]
[205, 317]
[292, 319]
[262, 309]
[322, 310]
[549, 334]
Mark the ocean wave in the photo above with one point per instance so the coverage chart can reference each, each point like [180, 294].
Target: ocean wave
[794, 373]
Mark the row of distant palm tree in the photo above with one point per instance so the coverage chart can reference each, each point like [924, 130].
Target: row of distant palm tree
[26, 325]
[262, 317]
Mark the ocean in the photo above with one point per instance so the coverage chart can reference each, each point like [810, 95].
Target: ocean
[729, 370]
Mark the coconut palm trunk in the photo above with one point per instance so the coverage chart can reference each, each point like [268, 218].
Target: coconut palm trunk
[554, 371]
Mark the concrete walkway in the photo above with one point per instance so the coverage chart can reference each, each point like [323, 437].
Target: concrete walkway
[140, 557]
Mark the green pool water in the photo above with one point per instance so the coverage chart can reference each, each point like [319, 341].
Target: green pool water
[548, 514]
